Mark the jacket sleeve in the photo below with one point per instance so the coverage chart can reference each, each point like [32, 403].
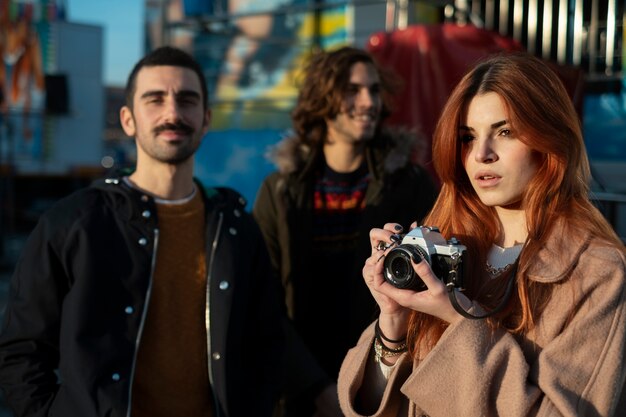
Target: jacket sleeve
[476, 371]
[29, 351]
[303, 372]
[360, 390]
[267, 336]
[265, 212]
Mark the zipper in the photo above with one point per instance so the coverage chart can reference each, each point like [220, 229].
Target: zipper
[143, 321]
[207, 312]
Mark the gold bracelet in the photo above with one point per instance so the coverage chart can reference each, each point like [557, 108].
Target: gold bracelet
[382, 351]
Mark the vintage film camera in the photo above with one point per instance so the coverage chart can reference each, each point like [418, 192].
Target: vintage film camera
[444, 256]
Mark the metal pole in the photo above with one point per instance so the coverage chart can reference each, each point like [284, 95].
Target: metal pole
[2, 181]
[610, 37]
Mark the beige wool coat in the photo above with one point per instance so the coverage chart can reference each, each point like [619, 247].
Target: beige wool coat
[572, 364]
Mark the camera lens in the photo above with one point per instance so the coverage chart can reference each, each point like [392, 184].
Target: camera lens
[398, 270]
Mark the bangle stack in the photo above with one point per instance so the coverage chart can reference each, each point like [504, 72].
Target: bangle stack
[383, 351]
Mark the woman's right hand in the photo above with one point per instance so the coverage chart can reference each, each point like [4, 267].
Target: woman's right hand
[390, 310]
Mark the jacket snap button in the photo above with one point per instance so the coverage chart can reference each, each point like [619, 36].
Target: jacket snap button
[146, 214]
[232, 231]
[237, 213]
[224, 285]
[129, 310]
[144, 198]
[216, 356]
[242, 201]
[115, 377]
[143, 241]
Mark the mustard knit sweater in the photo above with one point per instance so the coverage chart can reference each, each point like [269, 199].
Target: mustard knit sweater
[171, 376]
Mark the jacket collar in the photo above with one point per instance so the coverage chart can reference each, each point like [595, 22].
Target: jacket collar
[391, 150]
[133, 203]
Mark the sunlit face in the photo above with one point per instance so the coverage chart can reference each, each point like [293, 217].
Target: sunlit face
[360, 107]
[168, 119]
[498, 164]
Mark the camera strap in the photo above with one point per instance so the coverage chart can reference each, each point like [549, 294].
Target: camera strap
[505, 299]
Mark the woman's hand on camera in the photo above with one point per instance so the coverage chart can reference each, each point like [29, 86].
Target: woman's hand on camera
[381, 241]
[393, 316]
[391, 300]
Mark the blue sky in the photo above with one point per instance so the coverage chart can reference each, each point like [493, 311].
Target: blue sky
[123, 25]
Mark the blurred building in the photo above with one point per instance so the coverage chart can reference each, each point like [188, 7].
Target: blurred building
[119, 151]
[51, 109]
[252, 51]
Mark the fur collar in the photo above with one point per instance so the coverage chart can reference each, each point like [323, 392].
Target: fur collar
[396, 145]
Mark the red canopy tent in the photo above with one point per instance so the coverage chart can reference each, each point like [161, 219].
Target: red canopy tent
[431, 59]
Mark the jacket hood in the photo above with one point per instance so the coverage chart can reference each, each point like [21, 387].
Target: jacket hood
[397, 145]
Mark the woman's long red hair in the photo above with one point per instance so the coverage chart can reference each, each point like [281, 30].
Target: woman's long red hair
[542, 113]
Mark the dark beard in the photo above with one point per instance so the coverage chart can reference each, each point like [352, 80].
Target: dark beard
[182, 155]
[185, 151]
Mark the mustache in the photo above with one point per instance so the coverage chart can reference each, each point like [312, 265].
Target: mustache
[178, 126]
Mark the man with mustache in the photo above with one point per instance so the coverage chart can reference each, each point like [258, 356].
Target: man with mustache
[339, 173]
[147, 295]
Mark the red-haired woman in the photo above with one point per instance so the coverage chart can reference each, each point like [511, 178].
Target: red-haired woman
[540, 328]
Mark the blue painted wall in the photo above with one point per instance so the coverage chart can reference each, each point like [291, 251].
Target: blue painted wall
[236, 158]
[604, 126]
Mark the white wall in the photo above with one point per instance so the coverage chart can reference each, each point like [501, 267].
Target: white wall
[365, 19]
[76, 138]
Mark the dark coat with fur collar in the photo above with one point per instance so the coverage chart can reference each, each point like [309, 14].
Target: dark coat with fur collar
[399, 191]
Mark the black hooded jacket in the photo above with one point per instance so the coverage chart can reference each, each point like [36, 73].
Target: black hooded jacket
[399, 191]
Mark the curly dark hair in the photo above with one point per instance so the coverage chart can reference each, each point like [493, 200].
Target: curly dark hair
[325, 83]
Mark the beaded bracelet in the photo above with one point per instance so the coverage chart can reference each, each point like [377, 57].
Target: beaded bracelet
[382, 351]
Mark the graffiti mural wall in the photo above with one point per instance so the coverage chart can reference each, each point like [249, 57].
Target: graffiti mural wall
[23, 39]
[251, 52]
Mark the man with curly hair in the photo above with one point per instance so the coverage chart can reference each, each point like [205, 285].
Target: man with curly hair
[339, 173]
